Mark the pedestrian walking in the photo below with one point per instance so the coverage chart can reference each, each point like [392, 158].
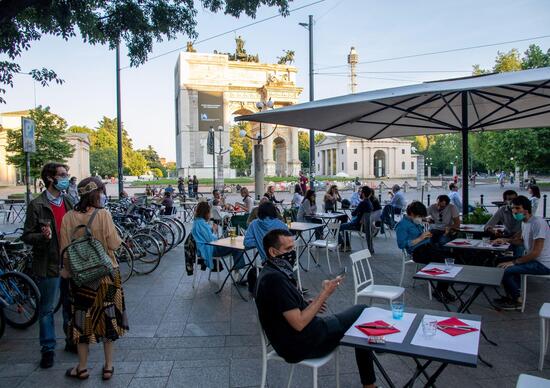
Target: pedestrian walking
[41, 231]
[195, 185]
[98, 312]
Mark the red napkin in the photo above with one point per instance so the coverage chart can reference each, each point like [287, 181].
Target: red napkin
[376, 332]
[434, 271]
[454, 322]
[461, 243]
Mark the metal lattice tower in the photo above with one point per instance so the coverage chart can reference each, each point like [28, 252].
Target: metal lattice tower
[353, 58]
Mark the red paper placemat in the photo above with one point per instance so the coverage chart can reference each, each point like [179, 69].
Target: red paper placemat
[461, 243]
[434, 271]
[454, 322]
[377, 332]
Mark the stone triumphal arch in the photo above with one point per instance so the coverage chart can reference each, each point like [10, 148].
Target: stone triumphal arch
[211, 89]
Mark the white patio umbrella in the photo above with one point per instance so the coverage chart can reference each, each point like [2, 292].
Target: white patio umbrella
[501, 101]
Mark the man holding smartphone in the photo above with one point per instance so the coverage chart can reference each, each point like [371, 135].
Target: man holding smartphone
[41, 230]
[291, 324]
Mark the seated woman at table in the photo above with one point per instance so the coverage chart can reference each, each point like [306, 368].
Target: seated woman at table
[267, 220]
[168, 203]
[331, 199]
[364, 207]
[307, 212]
[298, 196]
[219, 200]
[203, 233]
[411, 237]
[247, 204]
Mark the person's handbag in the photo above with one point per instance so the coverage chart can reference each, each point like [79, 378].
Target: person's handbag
[88, 260]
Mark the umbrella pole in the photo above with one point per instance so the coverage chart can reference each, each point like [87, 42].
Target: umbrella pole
[465, 153]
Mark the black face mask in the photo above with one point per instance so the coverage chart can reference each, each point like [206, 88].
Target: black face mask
[290, 257]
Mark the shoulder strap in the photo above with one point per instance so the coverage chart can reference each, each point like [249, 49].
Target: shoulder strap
[92, 218]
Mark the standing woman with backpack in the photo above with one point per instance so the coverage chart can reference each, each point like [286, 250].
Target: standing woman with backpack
[98, 312]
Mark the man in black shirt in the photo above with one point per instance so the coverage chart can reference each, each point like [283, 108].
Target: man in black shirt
[364, 207]
[290, 323]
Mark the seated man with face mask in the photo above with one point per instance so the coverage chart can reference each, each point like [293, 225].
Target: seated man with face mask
[290, 323]
[411, 237]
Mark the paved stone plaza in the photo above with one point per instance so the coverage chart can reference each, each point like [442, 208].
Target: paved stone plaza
[181, 337]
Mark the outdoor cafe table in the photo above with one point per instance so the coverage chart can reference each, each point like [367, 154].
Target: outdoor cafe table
[188, 210]
[478, 245]
[468, 276]
[438, 349]
[328, 217]
[471, 228]
[299, 228]
[238, 244]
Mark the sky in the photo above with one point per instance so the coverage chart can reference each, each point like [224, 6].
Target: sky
[379, 30]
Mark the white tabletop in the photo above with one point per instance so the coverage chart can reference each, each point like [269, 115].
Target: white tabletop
[471, 228]
[464, 243]
[328, 215]
[228, 242]
[303, 226]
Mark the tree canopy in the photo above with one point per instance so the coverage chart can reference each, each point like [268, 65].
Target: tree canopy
[51, 145]
[135, 23]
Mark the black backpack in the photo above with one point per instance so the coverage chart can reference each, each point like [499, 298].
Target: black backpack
[190, 255]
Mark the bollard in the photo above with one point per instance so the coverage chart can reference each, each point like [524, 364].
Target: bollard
[481, 199]
[544, 197]
[380, 198]
[428, 196]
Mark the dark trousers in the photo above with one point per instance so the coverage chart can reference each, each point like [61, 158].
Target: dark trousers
[337, 325]
[66, 307]
[430, 253]
[387, 216]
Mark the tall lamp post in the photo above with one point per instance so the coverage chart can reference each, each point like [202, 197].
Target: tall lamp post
[259, 150]
[219, 154]
[309, 26]
[429, 165]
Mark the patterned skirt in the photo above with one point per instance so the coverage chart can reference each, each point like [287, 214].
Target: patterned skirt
[98, 312]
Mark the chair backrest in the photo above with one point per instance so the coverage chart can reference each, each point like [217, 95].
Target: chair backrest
[407, 258]
[333, 228]
[362, 271]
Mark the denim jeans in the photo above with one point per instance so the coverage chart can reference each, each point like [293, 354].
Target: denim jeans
[49, 291]
[347, 226]
[238, 256]
[512, 275]
[387, 216]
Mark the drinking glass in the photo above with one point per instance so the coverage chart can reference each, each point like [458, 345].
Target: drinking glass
[469, 236]
[449, 262]
[486, 240]
[397, 308]
[429, 327]
[232, 233]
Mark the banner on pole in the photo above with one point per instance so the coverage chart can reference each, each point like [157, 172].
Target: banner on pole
[28, 129]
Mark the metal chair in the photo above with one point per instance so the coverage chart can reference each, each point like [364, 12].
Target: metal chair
[363, 280]
[524, 287]
[330, 243]
[544, 314]
[313, 363]
[528, 381]
[407, 260]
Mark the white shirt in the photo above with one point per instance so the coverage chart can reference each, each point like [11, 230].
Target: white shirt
[534, 205]
[455, 200]
[296, 200]
[534, 229]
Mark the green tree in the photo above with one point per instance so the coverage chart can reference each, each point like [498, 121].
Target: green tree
[51, 145]
[157, 172]
[241, 148]
[103, 162]
[153, 159]
[303, 146]
[136, 23]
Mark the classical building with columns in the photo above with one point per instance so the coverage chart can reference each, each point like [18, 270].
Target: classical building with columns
[211, 89]
[362, 158]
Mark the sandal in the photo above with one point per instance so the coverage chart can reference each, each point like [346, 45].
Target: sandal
[79, 373]
[108, 373]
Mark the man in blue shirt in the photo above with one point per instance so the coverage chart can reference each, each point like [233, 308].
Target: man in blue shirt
[455, 196]
[397, 204]
[412, 237]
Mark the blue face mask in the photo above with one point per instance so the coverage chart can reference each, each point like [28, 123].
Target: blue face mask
[519, 216]
[62, 184]
[102, 200]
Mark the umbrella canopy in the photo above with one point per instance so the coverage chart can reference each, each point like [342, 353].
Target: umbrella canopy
[501, 101]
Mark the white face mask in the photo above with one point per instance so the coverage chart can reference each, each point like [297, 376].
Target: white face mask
[417, 220]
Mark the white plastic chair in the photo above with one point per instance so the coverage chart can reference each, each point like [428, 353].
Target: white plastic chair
[313, 363]
[330, 243]
[544, 314]
[407, 260]
[363, 280]
[524, 287]
[528, 381]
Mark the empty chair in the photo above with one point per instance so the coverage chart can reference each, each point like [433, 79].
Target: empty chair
[330, 243]
[544, 314]
[524, 287]
[313, 363]
[407, 260]
[363, 280]
[528, 381]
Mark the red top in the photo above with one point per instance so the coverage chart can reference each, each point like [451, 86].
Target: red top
[58, 213]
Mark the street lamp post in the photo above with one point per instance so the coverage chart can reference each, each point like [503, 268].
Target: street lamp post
[218, 154]
[259, 150]
[309, 27]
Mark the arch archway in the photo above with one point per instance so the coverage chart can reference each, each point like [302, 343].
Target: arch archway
[280, 156]
[379, 164]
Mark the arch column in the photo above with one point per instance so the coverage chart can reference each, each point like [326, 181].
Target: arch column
[294, 164]
[269, 163]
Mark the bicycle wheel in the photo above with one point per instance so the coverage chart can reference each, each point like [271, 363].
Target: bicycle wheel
[146, 251]
[182, 227]
[125, 260]
[179, 233]
[163, 243]
[164, 229]
[22, 297]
